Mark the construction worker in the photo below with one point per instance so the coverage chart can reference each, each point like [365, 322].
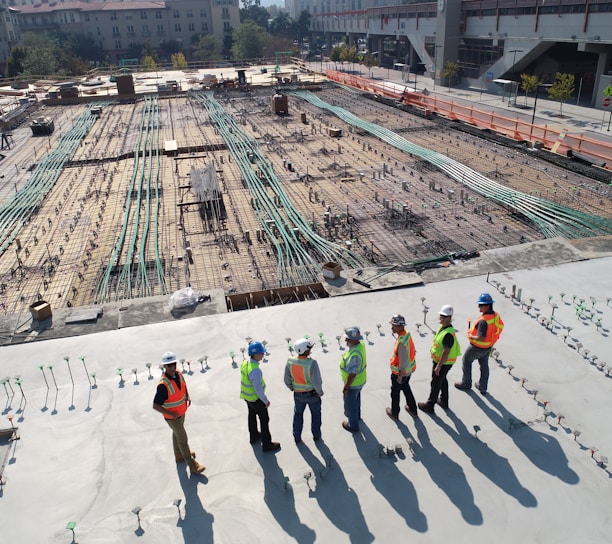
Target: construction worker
[444, 352]
[353, 373]
[402, 364]
[302, 376]
[172, 400]
[253, 391]
[483, 335]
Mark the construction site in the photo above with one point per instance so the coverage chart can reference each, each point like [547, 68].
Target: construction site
[257, 190]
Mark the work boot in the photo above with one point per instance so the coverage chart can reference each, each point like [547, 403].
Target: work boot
[196, 468]
[443, 404]
[425, 407]
[272, 446]
[390, 414]
[180, 459]
[412, 413]
[463, 386]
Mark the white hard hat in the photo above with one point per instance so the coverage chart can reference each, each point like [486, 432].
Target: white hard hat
[302, 345]
[446, 310]
[168, 358]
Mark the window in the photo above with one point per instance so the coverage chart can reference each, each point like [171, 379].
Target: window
[202, 13]
[117, 44]
[115, 31]
[204, 27]
[226, 26]
[143, 14]
[189, 14]
[113, 16]
[177, 27]
[71, 17]
[191, 27]
[130, 29]
[160, 28]
[176, 14]
[86, 17]
[158, 14]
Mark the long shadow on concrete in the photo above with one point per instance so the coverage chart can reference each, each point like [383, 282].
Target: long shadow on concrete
[196, 523]
[279, 498]
[389, 481]
[447, 475]
[488, 462]
[541, 449]
[335, 498]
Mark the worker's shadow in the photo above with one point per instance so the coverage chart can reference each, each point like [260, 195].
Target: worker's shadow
[488, 462]
[196, 523]
[389, 481]
[333, 494]
[541, 449]
[447, 475]
[278, 496]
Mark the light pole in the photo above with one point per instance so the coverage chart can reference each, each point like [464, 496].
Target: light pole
[436, 47]
[515, 51]
[535, 102]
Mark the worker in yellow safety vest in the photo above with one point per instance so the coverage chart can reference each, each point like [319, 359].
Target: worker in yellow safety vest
[444, 352]
[354, 376]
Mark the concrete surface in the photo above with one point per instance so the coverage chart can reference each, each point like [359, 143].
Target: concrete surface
[534, 471]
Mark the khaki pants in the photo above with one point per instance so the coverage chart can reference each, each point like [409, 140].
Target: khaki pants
[180, 444]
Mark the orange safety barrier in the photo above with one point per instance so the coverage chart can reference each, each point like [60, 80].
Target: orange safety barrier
[552, 138]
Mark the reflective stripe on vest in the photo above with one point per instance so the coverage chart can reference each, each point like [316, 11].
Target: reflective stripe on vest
[247, 391]
[495, 325]
[357, 350]
[301, 374]
[437, 348]
[406, 340]
[177, 397]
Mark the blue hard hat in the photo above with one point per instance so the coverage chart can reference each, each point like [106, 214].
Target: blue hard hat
[485, 298]
[256, 347]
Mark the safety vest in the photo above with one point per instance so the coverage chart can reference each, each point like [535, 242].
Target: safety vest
[301, 374]
[247, 391]
[495, 326]
[177, 397]
[404, 339]
[437, 348]
[361, 375]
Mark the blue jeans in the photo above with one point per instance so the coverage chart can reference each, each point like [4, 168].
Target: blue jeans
[352, 407]
[471, 354]
[313, 401]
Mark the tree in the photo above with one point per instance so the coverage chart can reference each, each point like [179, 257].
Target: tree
[370, 61]
[178, 61]
[562, 89]
[283, 25]
[207, 48]
[14, 63]
[347, 54]
[42, 53]
[334, 54]
[149, 64]
[303, 25]
[254, 12]
[450, 72]
[529, 83]
[249, 40]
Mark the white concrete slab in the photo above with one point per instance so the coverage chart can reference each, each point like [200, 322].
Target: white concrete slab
[92, 455]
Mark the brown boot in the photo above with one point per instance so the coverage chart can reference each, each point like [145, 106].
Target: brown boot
[196, 468]
[180, 459]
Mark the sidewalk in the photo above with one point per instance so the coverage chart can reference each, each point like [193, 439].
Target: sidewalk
[576, 119]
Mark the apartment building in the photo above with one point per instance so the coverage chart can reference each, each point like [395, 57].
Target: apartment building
[115, 25]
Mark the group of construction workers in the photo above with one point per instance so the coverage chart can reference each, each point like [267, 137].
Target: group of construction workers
[303, 377]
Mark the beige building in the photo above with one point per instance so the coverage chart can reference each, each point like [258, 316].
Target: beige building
[9, 30]
[115, 25]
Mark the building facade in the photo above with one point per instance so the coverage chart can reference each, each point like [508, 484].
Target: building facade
[490, 39]
[113, 26]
